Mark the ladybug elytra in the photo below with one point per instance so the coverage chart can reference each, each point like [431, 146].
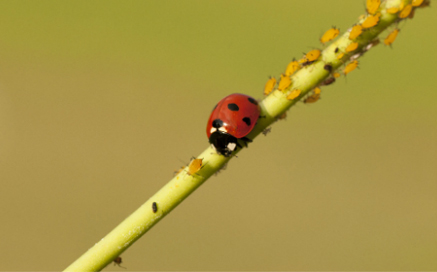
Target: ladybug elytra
[231, 120]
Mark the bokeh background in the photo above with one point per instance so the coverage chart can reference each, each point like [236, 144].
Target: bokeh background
[100, 101]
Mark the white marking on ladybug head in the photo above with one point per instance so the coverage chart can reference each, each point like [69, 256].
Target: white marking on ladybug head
[212, 130]
[231, 146]
[223, 129]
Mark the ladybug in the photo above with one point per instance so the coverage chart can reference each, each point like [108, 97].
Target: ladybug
[231, 120]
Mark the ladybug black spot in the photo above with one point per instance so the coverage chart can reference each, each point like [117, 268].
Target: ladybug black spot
[233, 107]
[217, 123]
[246, 120]
[253, 101]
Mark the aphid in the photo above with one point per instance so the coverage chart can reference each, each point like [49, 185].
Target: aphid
[329, 35]
[425, 3]
[405, 12]
[154, 207]
[292, 68]
[357, 55]
[317, 90]
[416, 3]
[194, 166]
[391, 37]
[372, 44]
[371, 20]
[355, 32]
[401, 5]
[282, 116]
[340, 56]
[118, 261]
[336, 75]
[328, 81]
[284, 83]
[350, 67]
[178, 171]
[352, 47]
[267, 131]
[312, 98]
[293, 94]
[328, 67]
[310, 57]
[313, 55]
[268, 88]
[393, 10]
[231, 120]
[372, 6]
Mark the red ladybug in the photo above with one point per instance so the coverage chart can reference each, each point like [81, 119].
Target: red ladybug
[232, 119]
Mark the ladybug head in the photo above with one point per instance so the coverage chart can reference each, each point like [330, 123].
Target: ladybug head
[223, 142]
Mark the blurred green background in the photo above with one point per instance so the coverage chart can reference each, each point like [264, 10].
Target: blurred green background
[100, 101]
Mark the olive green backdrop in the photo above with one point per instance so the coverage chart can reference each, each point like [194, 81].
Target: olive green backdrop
[100, 101]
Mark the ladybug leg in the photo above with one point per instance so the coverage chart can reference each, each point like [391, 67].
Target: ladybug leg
[246, 140]
[262, 116]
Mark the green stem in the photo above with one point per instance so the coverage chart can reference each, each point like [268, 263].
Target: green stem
[182, 185]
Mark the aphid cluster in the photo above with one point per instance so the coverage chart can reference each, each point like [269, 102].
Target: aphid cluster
[235, 116]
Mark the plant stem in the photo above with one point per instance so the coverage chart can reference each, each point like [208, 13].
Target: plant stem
[183, 184]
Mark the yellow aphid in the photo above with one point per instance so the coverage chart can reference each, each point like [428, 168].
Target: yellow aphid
[312, 98]
[401, 5]
[329, 35]
[340, 56]
[313, 55]
[269, 85]
[351, 47]
[310, 57]
[355, 32]
[372, 6]
[293, 94]
[371, 20]
[350, 67]
[391, 37]
[302, 60]
[406, 11]
[284, 83]
[292, 67]
[416, 3]
[317, 90]
[336, 75]
[194, 166]
[178, 171]
[393, 10]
